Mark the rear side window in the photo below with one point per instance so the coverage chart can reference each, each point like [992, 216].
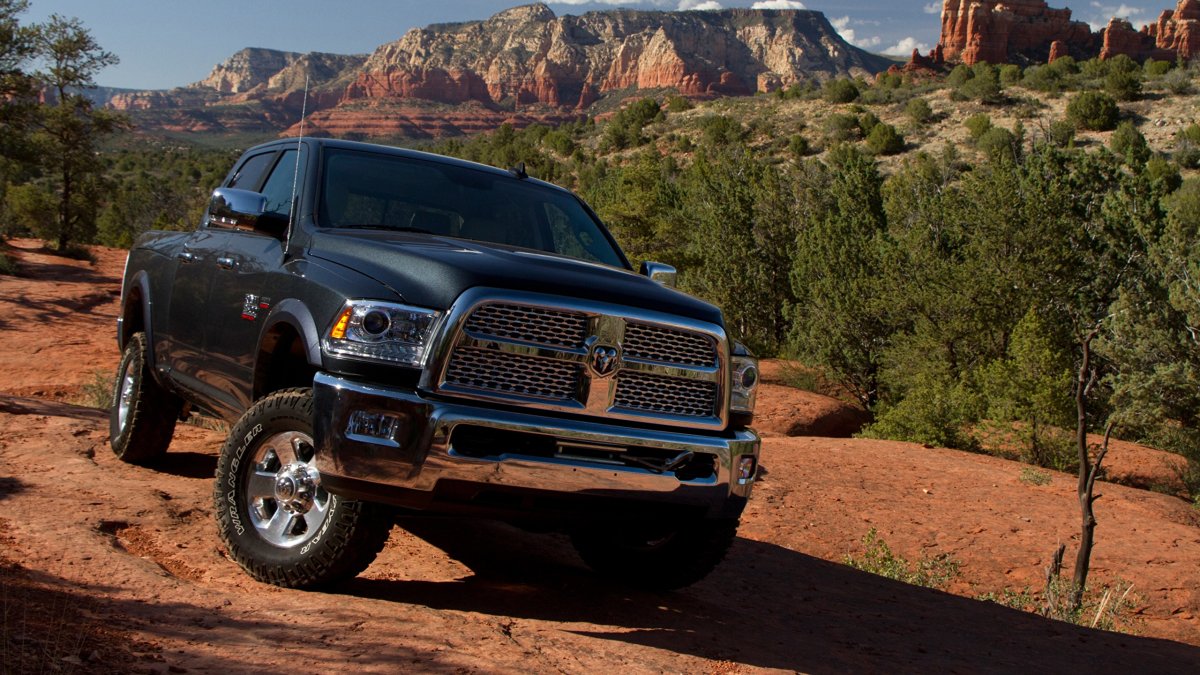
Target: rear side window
[280, 185]
[249, 174]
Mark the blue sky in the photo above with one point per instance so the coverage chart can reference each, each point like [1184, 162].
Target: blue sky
[168, 43]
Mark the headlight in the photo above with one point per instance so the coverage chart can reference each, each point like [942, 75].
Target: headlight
[744, 385]
[382, 331]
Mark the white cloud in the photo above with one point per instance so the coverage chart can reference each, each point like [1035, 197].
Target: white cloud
[932, 8]
[778, 4]
[1101, 13]
[842, 25]
[906, 46]
[698, 4]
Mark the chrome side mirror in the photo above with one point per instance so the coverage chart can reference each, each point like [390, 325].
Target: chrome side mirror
[660, 273]
[234, 208]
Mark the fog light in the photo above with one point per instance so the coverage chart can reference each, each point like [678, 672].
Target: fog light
[373, 427]
[745, 469]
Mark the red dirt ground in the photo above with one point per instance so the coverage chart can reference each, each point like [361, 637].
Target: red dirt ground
[106, 567]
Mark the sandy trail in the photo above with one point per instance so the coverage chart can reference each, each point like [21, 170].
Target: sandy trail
[117, 568]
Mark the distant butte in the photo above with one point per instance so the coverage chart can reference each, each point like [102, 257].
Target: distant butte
[522, 65]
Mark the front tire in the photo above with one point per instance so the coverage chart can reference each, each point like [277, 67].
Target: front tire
[656, 557]
[143, 414]
[276, 520]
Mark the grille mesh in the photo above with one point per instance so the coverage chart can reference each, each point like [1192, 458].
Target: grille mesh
[668, 395]
[665, 345]
[529, 324]
[493, 371]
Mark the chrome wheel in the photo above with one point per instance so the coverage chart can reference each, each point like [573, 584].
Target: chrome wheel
[286, 500]
[125, 397]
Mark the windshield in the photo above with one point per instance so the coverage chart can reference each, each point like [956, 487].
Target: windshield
[378, 191]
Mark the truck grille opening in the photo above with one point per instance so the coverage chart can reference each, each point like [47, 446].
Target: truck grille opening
[493, 371]
[667, 345]
[665, 395]
[536, 325]
[481, 442]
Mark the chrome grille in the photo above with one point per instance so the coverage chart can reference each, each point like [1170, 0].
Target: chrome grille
[665, 395]
[529, 324]
[665, 345]
[544, 352]
[493, 371]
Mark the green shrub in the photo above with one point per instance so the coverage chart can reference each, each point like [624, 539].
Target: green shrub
[1123, 85]
[867, 122]
[1010, 75]
[878, 559]
[841, 128]
[978, 125]
[959, 76]
[840, 91]
[1093, 110]
[1163, 174]
[1043, 78]
[799, 146]
[885, 140]
[1060, 134]
[718, 130]
[984, 86]
[1129, 143]
[998, 143]
[1065, 66]
[1178, 82]
[1155, 68]
[919, 111]
[676, 103]
[1187, 153]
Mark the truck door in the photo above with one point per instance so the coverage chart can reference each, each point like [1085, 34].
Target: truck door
[249, 281]
[190, 315]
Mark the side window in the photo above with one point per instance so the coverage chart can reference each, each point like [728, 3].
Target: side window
[251, 171]
[279, 187]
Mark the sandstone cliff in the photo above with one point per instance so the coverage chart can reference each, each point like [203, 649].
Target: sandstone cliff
[1002, 31]
[521, 65]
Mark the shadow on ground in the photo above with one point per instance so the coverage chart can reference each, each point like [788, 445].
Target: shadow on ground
[767, 606]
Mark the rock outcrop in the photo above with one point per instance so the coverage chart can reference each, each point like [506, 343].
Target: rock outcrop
[1178, 31]
[999, 31]
[527, 55]
[521, 65]
[1003, 31]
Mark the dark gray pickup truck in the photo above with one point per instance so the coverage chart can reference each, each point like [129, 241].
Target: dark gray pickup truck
[392, 330]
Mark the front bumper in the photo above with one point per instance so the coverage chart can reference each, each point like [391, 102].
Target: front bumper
[420, 467]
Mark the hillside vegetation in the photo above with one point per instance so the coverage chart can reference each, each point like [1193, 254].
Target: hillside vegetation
[942, 247]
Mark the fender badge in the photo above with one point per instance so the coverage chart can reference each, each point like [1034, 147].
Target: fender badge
[252, 305]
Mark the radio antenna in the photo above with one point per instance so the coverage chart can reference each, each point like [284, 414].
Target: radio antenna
[299, 149]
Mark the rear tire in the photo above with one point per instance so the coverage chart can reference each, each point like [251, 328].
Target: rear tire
[656, 557]
[143, 414]
[276, 520]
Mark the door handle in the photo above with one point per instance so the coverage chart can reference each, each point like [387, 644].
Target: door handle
[225, 263]
[186, 256]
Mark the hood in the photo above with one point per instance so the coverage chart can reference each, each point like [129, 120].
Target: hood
[430, 271]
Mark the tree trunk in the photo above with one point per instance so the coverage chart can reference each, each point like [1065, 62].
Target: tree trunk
[1088, 470]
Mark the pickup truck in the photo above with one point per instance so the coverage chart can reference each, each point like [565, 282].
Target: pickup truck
[389, 331]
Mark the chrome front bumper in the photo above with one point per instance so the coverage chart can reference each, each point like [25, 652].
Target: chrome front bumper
[419, 467]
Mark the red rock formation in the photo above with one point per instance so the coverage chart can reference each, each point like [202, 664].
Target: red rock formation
[1178, 31]
[1121, 38]
[1058, 49]
[997, 31]
[523, 64]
